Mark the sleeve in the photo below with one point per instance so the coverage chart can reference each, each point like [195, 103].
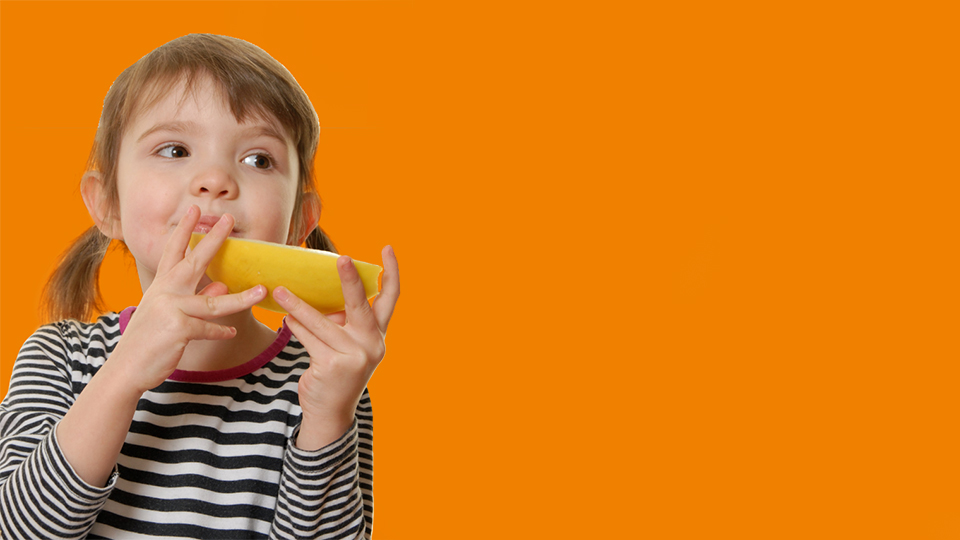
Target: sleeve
[328, 493]
[41, 496]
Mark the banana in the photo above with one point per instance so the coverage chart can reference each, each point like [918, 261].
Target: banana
[309, 273]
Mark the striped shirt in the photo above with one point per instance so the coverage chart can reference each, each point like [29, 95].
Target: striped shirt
[208, 455]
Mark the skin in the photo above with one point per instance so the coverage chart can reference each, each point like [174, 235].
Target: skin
[198, 166]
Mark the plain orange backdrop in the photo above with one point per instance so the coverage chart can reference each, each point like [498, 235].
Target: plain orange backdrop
[672, 270]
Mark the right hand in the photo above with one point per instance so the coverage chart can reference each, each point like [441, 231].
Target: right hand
[172, 313]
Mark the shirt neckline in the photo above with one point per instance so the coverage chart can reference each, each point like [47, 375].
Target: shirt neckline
[221, 375]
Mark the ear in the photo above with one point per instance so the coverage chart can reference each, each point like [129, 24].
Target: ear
[309, 215]
[99, 206]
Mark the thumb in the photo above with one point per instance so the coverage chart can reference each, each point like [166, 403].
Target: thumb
[214, 289]
[339, 317]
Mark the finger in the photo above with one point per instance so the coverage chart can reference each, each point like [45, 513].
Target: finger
[216, 288]
[201, 254]
[179, 240]
[208, 330]
[312, 320]
[339, 318]
[306, 337]
[386, 301]
[212, 307]
[354, 295]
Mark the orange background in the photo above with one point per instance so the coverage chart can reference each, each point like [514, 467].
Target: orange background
[675, 272]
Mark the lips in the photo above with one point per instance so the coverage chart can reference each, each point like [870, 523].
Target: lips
[207, 222]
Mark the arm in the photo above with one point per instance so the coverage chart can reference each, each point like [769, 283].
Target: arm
[329, 492]
[344, 353]
[58, 451]
[41, 495]
[170, 315]
[93, 430]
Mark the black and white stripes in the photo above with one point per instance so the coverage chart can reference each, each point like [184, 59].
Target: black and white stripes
[212, 459]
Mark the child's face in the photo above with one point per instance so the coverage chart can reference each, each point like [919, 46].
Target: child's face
[173, 157]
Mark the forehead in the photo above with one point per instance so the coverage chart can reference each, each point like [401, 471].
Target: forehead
[184, 97]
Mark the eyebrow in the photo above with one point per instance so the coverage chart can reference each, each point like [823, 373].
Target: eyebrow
[260, 130]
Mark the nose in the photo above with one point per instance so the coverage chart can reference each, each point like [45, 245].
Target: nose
[214, 180]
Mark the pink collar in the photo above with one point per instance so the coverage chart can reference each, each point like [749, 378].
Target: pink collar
[221, 375]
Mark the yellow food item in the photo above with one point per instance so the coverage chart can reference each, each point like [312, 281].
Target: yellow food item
[308, 273]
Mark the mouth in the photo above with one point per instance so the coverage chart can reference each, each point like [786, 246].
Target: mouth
[206, 223]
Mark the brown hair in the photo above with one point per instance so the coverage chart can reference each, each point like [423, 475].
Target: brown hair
[252, 82]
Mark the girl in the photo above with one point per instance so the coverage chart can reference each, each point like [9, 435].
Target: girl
[184, 416]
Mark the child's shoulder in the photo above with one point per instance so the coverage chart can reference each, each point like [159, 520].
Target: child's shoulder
[79, 336]
[106, 325]
[74, 348]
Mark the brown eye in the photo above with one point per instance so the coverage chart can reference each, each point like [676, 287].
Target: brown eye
[259, 161]
[173, 151]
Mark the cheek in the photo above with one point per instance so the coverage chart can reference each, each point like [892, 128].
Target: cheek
[145, 219]
[268, 216]
[282, 219]
[148, 210]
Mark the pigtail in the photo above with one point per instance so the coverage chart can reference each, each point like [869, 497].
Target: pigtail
[73, 290]
[319, 240]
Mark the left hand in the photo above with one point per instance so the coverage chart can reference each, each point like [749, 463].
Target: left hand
[343, 352]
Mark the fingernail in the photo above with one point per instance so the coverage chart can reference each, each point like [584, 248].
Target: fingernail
[281, 294]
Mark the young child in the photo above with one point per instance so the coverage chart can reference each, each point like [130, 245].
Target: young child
[185, 416]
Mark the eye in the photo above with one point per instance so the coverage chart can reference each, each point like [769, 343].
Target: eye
[260, 161]
[173, 151]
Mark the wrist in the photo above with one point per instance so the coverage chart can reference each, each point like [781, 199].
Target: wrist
[315, 433]
[123, 377]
